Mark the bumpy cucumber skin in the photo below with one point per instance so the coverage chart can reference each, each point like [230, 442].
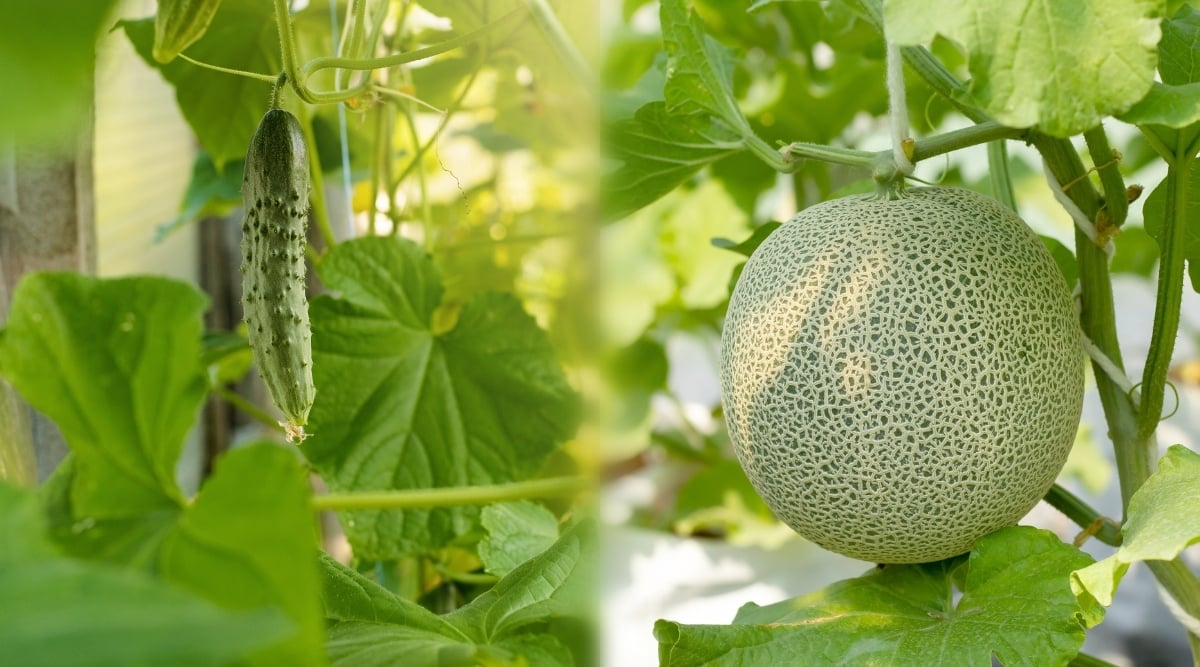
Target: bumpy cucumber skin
[275, 193]
[178, 24]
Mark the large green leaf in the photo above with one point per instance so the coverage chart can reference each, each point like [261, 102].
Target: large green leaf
[558, 583]
[348, 596]
[699, 69]
[372, 627]
[237, 544]
[1060, 66]
[115, 363]
[223, 109]
[658, 151]
[1172, 106]
[57, 612]
[62, 613]
[1162, 521]
[247, 542]
[1015, 603]
[402, 406]
[49, 56]
[1154, 210]
[697, 122]
[1177, 61]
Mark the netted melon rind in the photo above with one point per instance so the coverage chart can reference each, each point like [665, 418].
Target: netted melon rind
[902, 377]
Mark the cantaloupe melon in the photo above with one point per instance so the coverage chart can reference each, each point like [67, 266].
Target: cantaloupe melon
[902, 376]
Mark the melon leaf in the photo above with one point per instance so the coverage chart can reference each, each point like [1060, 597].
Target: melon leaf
[1154, 211]
[1162, 522]
[695, 121]
[1018, 54]
[1015, 603]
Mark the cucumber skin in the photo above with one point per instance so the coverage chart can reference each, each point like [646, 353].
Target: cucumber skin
[275, 193]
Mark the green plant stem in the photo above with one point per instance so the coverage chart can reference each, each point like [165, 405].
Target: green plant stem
[251, 410]
[410, 119]
[974, 135]
[423, 148]
[1116, 205]
[1083, 515]
[471, 578]
[448, 497]
[1169, 299]
[928, 68]
[317, 193]
[847, 156]
[1002, 187]
[287, 49]
[226, 70]
[393, 60]
[382, 152]
[1134, 453]
[922, 148]
[354, 43]
[554, 32]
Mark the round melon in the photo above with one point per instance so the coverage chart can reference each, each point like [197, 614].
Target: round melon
[902, 376]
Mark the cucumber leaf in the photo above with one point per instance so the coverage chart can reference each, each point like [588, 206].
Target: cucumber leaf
[402, 406]
[116, 365]
[516, 532]
[369, 626]
[63, 612]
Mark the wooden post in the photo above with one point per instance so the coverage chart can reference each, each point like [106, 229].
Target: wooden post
[46, 223]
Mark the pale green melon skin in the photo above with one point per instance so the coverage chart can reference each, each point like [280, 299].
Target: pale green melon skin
[902, 377]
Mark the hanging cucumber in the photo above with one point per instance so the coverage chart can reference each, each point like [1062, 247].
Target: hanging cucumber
[275, 193]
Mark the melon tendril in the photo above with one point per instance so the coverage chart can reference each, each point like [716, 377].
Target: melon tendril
[1111, 369]
[1077, 216]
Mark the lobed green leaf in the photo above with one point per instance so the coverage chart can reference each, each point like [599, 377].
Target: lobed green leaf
[116, 365]
[1060, 66]
[402, 406]
[1015, 603]
[1160, 524]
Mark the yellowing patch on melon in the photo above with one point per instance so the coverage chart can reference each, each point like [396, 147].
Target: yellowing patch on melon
[901, 377]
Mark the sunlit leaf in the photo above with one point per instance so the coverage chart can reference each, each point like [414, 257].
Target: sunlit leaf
[1025, 57]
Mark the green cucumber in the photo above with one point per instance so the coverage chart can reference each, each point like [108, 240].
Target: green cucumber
[275, 193]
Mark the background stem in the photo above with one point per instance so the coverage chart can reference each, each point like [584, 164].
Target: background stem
[447, 497]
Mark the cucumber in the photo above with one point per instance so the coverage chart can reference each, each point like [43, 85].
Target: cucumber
[275, 193]
[178, 24]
